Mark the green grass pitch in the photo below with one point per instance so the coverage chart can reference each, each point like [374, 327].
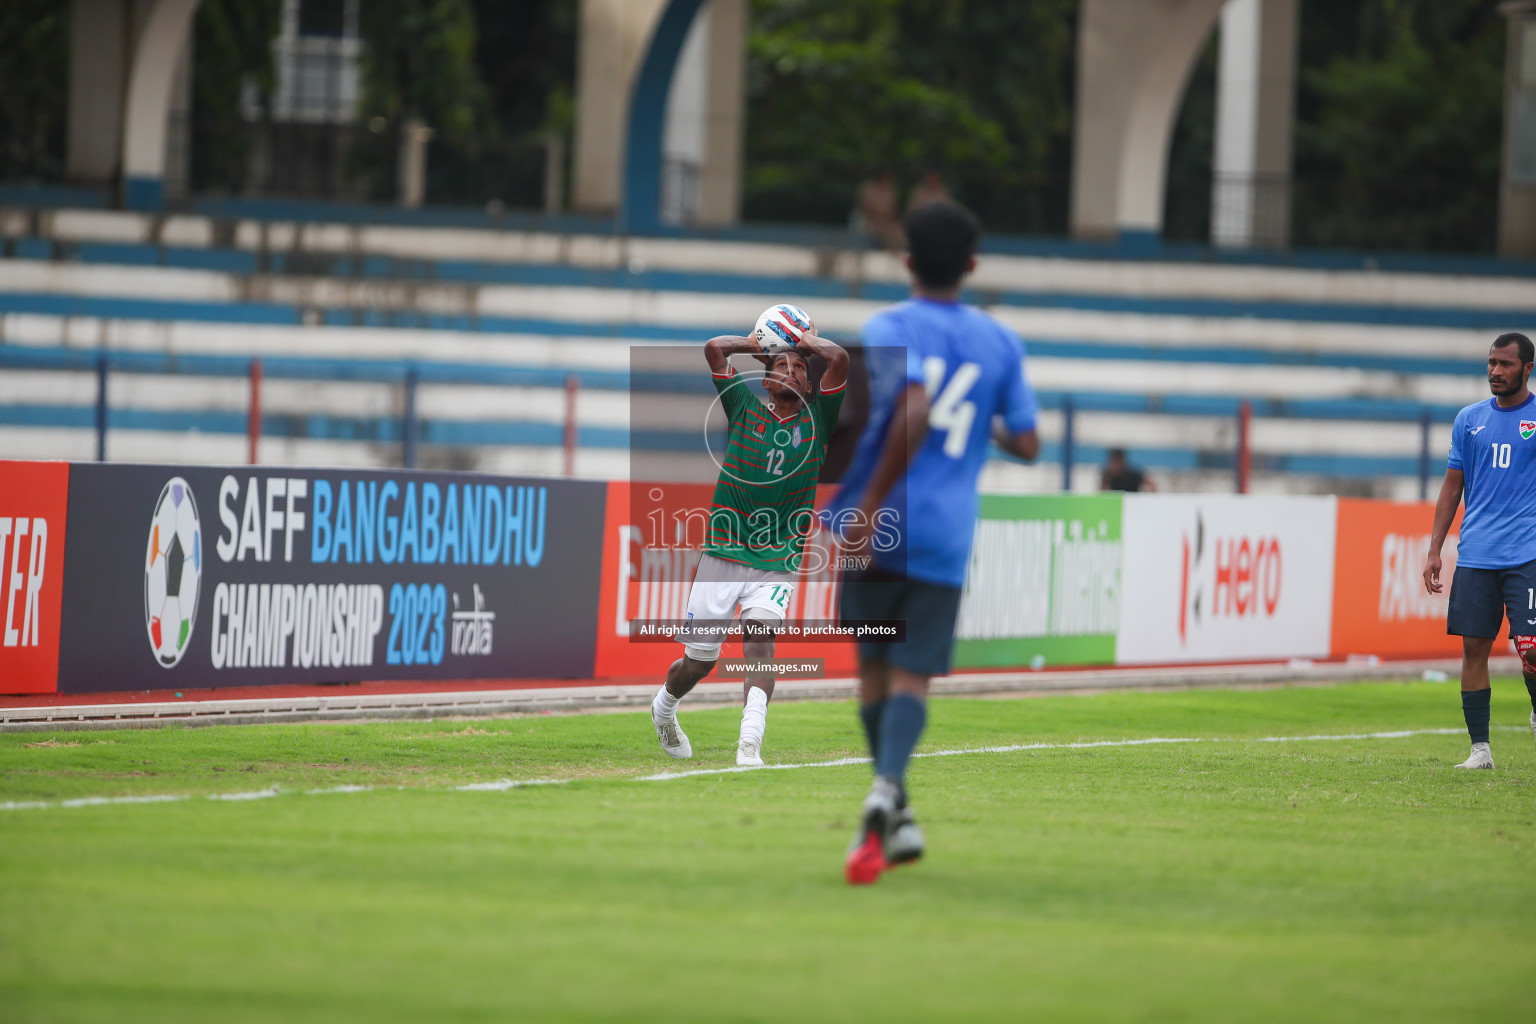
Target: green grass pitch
[1229, 879]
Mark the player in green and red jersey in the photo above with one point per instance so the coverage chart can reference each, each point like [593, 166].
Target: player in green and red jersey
[758, 521]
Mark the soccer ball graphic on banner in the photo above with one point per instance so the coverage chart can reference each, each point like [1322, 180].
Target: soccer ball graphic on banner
[781, 327]
[173, 570]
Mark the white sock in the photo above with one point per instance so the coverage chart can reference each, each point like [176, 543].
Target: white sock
[665, 703]
[754, 717]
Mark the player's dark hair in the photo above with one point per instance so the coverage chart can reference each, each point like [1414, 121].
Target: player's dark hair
[942, 239]
[1527, 350]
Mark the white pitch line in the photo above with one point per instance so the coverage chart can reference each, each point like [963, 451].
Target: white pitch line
[501, 785]
[1016, 747]
[255, 794]
[664, 776]
[504, 784]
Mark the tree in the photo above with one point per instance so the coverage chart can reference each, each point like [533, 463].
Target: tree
[34, 88]
[1400, 124]
[979, 91]
[232, 49]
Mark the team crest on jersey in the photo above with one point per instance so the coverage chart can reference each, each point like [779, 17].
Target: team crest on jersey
[1527, 428]
[761, 427]
[795, 437]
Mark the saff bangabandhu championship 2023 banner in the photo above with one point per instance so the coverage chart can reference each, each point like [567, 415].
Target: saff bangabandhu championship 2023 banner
[212, 577]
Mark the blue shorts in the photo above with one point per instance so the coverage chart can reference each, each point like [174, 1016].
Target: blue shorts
[928, 609]
[1480, 598]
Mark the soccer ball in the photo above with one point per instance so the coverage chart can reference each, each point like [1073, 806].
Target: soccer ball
[173, 569]
[781, 327]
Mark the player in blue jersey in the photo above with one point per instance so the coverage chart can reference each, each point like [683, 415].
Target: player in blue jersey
[946, 380]
[1493, 462]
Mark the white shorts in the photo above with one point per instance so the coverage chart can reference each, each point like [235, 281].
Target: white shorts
[719, 586]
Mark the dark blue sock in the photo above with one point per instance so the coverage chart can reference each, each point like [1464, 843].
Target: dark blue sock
[1474, 708]
[870, 714]
[1530, 686]
[900, 728]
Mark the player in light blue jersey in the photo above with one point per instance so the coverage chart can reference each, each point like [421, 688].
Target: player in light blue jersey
[946, 380]
[1493, 462]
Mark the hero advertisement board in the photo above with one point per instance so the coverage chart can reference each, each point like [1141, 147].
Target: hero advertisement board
[211, 577]
[1225, 578]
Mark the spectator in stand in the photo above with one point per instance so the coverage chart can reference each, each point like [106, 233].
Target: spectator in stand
[1120, 475]
[874, 212]
[930, 190]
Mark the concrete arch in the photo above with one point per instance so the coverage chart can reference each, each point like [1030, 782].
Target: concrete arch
[1134, 59]
[640, 204]
[145, 108]
[626, 69]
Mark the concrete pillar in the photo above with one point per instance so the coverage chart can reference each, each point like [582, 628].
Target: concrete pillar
[178, 133]
[1255, 119]
[702, 139]
[1133, 62]
[613, 35]
[725, 115]
[98, 59]
[412, 161]
[1517, 185]
[625, 77]
[151, 74]
[682, 139]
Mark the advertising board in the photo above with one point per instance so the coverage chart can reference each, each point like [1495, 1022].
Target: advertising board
[1225, 578]
[33, 499]
[1380, 605]
[649, 555]
[1043, 586]
[209, 577]
[205, 577]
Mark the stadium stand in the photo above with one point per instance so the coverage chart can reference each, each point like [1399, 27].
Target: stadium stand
[358, 313]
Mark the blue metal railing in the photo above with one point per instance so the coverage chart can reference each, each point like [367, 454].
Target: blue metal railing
[410, 430]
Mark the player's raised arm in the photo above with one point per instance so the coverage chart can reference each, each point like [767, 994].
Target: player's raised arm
[835, 355]
[718, 351]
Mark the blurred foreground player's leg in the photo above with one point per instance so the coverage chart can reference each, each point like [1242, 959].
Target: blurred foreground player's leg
[893, 699]
[946, 381]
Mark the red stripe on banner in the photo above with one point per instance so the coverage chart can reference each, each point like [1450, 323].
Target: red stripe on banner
[34, 505]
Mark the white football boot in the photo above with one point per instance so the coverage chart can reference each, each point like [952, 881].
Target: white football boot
[904, 842]
[1481, 757]
[749, 754]
[1533, 725]
[671, 736]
